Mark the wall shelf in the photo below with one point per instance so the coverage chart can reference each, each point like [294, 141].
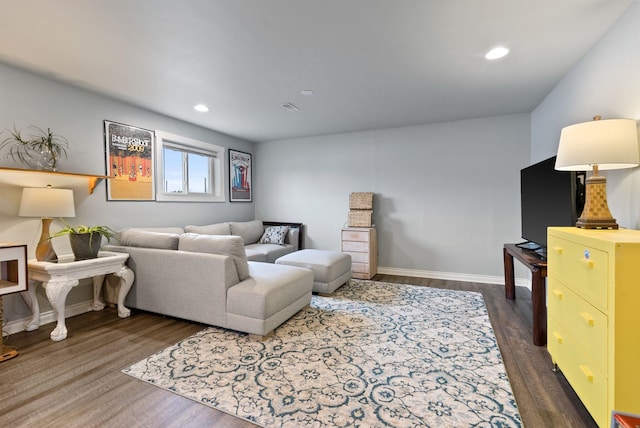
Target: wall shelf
[35, 178]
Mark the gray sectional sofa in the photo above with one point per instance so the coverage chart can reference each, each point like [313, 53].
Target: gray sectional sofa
[203, 274]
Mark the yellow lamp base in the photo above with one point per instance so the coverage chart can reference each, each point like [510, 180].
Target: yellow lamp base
[596, 214]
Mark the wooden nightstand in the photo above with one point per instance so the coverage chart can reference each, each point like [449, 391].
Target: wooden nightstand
[361, 244]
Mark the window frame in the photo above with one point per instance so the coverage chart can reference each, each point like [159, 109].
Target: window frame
[216, 168]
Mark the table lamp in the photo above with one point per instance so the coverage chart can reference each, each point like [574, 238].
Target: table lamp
[596, 145]
[46, 202]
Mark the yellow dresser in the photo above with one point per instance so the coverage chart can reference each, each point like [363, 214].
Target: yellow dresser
[593, 314]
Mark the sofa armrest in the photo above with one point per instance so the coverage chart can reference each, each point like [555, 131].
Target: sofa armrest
[295, 236]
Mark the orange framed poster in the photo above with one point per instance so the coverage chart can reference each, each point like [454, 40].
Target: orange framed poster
[129, 159]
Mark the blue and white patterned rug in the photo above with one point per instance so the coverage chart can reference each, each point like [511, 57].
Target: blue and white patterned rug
[373, 354]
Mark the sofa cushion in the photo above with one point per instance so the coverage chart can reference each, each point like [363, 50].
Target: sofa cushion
[250, 231]
[270, 289]
[274, 235]
[217, 244]
[144, 238]
[210, 229]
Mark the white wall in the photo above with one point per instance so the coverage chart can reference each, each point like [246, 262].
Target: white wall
[447, 195]
[28, 99]
[606, 82]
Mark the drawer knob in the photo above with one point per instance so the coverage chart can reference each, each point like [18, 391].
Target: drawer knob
[558, 250]
[587, 373]
[557, 337]
[588, 263]
[588, 318]
[558, 294]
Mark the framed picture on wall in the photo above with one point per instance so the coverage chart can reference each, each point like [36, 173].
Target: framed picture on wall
[129, 160]
[240, 169]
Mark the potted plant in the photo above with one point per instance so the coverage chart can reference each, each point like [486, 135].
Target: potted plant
[85, 241]
[41, 150]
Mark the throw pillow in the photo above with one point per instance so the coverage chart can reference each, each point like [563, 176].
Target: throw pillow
[146, 239]
[275, 235]
[227, 245]
[250, 231]
[210, 229]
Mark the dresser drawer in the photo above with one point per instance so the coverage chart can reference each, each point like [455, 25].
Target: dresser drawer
[360, 267]
[587, 324]
[353, 246]
[586, 379]
[583, 269]
[359, 257]
[356, 235]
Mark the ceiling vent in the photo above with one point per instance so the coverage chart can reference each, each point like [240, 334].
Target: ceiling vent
[289, 106]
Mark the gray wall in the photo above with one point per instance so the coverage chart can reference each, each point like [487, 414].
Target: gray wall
[77, 114]
[447, 195]
[605, 83]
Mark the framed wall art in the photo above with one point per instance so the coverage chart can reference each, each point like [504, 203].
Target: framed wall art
[240, 169]
[129, 159]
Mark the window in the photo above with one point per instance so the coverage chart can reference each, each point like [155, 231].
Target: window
[188, 170]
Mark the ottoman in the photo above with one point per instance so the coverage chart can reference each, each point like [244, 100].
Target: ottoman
[330, 269]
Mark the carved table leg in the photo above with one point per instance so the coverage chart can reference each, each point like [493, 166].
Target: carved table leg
[57, 290]
[31, 300]
[126, 281]
[98, 304]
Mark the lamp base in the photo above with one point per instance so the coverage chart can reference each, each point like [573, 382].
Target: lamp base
[596, 214]
[44, 249]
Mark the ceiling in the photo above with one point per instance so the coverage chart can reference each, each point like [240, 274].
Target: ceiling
[371, 63]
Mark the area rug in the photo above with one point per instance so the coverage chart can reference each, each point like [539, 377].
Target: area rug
[373, 354]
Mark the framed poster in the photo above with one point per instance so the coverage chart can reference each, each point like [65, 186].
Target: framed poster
[240, 189]
[129, 159]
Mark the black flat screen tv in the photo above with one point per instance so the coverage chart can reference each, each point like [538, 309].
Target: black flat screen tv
[548, 198]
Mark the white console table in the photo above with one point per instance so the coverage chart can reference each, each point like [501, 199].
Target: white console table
[59, 278]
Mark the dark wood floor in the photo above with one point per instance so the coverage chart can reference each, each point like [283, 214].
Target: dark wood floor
[77, 382]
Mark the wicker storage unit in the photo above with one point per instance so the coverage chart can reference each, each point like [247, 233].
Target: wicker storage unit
[361, 201]
[360, 218]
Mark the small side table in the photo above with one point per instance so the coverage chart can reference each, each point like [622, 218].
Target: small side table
[538, 269]
[13, 279]
[59, 278]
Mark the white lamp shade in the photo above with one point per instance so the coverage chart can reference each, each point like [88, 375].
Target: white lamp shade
[47, 202]
[610, 144]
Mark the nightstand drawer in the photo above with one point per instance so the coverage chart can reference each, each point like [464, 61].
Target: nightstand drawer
[360, 267]
[355, 235]
[583, 269]
[586, 379]
[359, 257]
[359, 247]
[587, 324]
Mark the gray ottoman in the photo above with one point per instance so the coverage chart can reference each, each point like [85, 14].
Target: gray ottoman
[330, 269]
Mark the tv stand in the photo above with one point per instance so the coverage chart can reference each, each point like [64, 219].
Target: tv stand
[538, 267]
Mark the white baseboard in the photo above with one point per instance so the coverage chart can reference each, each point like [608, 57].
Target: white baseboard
[82, 307]
[452, 276]
[48, 317]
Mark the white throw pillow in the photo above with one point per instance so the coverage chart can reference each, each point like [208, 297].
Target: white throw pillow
[210, 229]
[250, 231]
[146, 239]
[274, 235]
[227, 245]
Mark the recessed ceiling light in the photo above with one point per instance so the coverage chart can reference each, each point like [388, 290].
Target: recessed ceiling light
[307, 92]
[497, 52]
[201, 108]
